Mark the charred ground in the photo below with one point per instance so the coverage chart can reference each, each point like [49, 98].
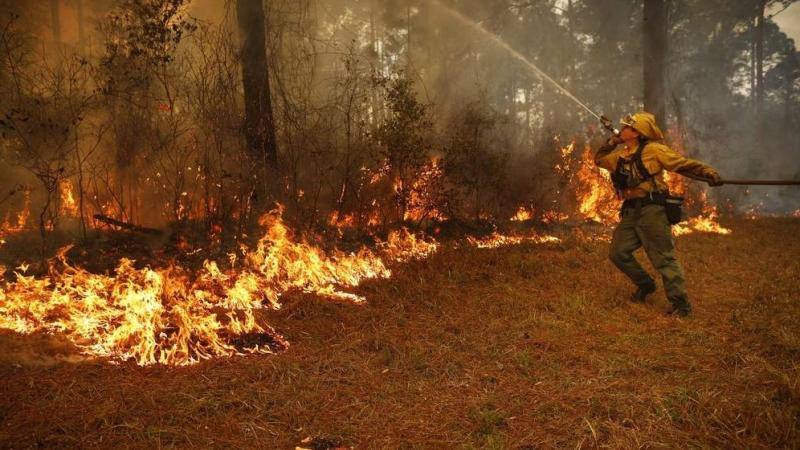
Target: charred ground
[529, 346]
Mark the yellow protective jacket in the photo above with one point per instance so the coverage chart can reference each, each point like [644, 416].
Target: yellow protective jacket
[656, 157]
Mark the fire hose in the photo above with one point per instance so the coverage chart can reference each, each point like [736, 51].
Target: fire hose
[746, 182]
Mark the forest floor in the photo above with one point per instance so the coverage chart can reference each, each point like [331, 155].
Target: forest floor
[522, 347]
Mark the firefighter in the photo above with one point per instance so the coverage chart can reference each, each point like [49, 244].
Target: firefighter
[637, 160]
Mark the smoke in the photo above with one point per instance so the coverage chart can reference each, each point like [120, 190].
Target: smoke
[490, 55]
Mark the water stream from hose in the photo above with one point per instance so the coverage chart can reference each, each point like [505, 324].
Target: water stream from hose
[530, 65]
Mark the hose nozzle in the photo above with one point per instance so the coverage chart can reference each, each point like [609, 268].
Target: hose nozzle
[608, 125]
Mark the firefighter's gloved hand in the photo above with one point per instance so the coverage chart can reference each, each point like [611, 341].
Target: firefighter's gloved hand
[614, 140]
[713, 178]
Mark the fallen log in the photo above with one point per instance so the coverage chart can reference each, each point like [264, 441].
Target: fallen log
[127, 226]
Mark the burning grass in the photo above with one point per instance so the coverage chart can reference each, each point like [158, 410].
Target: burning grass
[515, 347]
[179, 316]
[172, 316]
[519, 339]
[496, 240]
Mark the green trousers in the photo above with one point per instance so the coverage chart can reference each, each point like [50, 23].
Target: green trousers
[648, 227]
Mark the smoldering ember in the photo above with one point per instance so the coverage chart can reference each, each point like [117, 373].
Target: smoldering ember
[347, 224]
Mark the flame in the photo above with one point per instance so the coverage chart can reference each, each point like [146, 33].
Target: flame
[171, 316]
[20, 220]
[589, 185]
[705, 223]
[354, 220]
[422, 201]
[403, 246]
[69, 207]
[522, 214]
[496, 240]
[341, 221]
[597, 200]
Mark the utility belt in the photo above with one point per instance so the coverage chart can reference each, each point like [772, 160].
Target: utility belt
[672, 205]
[651, 199]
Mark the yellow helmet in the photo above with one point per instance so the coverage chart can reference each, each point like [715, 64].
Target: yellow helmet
[645, 124]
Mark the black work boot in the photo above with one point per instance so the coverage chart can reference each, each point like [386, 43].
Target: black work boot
[680, 307]
[642, 292]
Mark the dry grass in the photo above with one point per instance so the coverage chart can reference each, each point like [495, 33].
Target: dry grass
[531, 346]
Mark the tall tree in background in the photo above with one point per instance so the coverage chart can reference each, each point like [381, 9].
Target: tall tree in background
[761, 6]
[259, 124]
[655, 56]
[606, 74]
[758, 85]
[141, 41]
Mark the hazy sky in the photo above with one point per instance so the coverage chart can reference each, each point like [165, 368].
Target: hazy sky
[789, 21]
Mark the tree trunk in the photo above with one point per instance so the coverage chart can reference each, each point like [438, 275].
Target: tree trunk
[259, 124]
[655, 55]
[376, 106]
[759, 93]
[753, 65]
[408, 36]
[571, 64]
